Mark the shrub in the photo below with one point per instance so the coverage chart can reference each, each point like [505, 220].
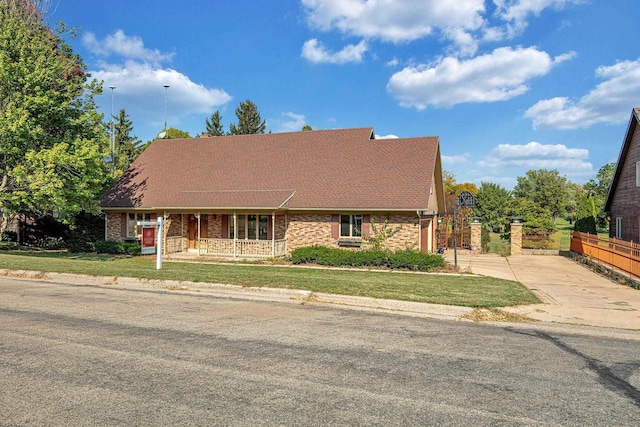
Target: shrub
[402, 259]
[116, 248]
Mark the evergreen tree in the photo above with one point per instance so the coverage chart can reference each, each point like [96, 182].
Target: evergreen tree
[214, 125]
[127, 147]
[249, 121]
[586, 215]
[491, 203]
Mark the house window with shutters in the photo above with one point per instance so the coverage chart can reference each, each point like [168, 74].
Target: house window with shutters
[133, 230]
[350, 225]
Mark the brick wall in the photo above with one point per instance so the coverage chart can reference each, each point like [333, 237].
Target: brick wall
[307, 229]
[114, 227]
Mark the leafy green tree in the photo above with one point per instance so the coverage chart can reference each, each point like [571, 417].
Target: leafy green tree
[452, 189]
[127, 146]
[214, 125]
[586, 215]
[532, 216]
[546, 188]
[173, 133]
[306, 127]
[491, 203]
[52, 142]
[599, 189]
[249, 121]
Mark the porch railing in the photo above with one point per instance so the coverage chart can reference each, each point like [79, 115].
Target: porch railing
[174, 244]
[243, 248]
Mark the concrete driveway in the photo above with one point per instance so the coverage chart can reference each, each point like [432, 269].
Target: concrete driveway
[570, 292]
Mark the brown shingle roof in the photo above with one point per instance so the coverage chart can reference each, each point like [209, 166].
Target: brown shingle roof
[327, 169]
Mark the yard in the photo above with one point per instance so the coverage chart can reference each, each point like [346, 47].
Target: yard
[450, 289]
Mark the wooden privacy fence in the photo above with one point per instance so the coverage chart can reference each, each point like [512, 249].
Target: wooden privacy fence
[618, 254]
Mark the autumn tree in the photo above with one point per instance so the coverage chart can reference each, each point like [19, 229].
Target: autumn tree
[52, 141]
[249, 121]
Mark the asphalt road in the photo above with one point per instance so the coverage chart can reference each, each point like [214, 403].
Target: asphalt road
[86, 355]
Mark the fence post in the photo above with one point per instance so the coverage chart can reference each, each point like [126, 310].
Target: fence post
[476, 235]
[516, 238]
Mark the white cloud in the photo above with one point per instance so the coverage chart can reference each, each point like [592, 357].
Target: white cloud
[289, 122]
[570, 161]
[609, 102]
[516, 12]
[497, 76]
[455, 160]
[314, 51]
[392, 63]
[128, 47]
[395, 21]
[141, 86]
[463, 24]
[390, 136]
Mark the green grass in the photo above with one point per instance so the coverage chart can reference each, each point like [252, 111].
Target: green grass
[467, 291]
[497, 245]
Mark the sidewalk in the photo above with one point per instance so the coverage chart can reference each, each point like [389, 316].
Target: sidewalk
[570, 292]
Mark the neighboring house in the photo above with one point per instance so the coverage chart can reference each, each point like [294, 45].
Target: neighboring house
[623, 200]
[265, 195]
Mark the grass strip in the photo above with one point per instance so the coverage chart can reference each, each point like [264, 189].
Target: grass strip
[461, 290]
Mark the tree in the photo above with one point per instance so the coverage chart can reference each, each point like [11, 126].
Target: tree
[546, 188]
[532, 215]
[127, 147]
[173, 133]
[599, 189]
[452, 189]
[306, 127]
[249, 121]
[491, 203]
[214, 125]
[52, 141]
[586, 215]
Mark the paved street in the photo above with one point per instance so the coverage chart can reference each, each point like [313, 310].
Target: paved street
[105, 355]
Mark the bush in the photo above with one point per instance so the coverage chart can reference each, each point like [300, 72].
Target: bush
[402, 259]
[116, 248]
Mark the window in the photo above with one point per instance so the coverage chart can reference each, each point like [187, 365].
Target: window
[250, 227]
[350, 225]
[637, 174]
[133, 231]
[618, 228]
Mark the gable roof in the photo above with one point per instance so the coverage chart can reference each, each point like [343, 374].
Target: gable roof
[325, 169]
[633, 124]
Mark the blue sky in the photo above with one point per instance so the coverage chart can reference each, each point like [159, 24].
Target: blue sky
[507, 85]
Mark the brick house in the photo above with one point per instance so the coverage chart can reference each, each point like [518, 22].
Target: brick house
[623, 200]
[265, 195]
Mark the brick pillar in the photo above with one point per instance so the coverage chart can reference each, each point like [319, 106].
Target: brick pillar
[516, 238]
[476, 236]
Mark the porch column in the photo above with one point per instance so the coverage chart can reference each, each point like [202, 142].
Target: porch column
[165, 233]
[198, 239]
[235, 233]
[273, 234]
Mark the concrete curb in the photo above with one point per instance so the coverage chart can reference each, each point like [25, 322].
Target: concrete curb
[302, 297]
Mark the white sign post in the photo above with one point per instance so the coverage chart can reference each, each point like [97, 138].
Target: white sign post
[159, 224]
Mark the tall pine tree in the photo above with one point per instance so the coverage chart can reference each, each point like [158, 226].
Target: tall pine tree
[127, 146]
[214, 125]
[249, 121]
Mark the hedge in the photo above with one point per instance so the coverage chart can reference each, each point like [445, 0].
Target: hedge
[116, 248]
[402, 259]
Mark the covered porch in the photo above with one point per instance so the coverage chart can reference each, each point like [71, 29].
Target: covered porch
[226, 234]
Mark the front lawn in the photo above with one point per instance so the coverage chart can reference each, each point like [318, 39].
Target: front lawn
[459, 290]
